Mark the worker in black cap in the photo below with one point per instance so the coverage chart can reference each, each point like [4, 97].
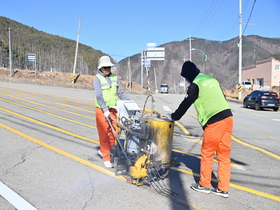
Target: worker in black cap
[215, 117]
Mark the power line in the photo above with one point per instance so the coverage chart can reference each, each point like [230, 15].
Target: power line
[211, 12]
[249, 17]
[209, 19]
[202, 20]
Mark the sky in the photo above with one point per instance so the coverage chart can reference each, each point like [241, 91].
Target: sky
[122, 28]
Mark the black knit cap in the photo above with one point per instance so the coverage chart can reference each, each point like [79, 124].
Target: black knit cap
[189, 71]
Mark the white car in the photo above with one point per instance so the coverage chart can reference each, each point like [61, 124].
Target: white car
[246, 85]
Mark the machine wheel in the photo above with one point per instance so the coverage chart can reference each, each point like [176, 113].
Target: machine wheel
[257, 107]
[276, 109]
[245, 104]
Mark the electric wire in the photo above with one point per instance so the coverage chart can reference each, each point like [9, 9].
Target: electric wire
[211, 17]
[249, 17]
[202, 20]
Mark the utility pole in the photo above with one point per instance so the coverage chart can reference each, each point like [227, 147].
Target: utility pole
[77, 44]
[190, 44]
[142, 63]
[240, 47]
[155, 80]
[129, 84]
[10, 55]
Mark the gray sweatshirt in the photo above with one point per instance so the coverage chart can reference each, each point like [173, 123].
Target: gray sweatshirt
[98, 92]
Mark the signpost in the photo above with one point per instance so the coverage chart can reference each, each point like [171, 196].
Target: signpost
[157, 53]
[32, 58]
[147, 63]
[151, 53]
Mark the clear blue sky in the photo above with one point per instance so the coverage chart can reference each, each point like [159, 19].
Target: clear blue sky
[121, 28]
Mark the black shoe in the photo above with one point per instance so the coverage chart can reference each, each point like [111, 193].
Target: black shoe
[199, 188]
[218, 192]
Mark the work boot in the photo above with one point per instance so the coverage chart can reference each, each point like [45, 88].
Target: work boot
[108, 164]
[218, 192]
[199, 188]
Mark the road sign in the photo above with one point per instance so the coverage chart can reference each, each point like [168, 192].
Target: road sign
[157, 53]
[239, 87]
[31, 57]
[147, 63]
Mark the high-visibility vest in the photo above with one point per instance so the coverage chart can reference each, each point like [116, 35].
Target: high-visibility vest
[210, 99]
[109, 92]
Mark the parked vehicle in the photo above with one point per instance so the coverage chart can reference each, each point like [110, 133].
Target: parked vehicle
[246, 85]
[260, 99]
[164, 88]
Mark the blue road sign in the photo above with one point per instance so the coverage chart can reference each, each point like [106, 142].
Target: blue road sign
[31, 57]
[147, 63]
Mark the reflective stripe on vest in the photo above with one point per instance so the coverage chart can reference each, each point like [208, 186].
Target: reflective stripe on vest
[210, 99]
[109, 93]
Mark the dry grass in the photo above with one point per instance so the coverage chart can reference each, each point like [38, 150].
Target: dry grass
[87, 81]
[58, 78]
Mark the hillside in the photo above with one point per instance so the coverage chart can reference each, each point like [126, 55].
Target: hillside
[59, 79]
[56, 54]
[222, 60]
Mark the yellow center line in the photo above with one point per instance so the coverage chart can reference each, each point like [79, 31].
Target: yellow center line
[256, 148]
[66, 154]
[47, 106]
[38, 110]
[258, 131]
[42, 95]
[76, 107]
[80, 160]
[50, 126]
[110, 173]
[102, 169]
[256, 192]
[233, 164]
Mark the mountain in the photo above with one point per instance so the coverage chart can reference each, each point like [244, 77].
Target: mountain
[222, 60]
[53, 53]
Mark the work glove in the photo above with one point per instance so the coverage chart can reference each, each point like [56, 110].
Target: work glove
[168, 116]
[107, 114]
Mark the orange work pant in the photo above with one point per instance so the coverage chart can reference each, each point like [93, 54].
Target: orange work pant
[105, 132]
[216, 139]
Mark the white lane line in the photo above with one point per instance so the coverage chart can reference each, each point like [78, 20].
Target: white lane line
[166, 108]
[17, 201]
[276, 120]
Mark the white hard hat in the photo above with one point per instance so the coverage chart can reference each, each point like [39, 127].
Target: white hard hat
[104, 61]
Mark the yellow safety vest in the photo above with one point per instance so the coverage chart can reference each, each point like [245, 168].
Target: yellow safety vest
[210, 100]
[109, 92]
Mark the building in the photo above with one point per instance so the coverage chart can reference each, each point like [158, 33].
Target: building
[264, 74]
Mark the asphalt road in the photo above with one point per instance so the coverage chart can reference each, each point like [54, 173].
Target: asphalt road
[48, 156]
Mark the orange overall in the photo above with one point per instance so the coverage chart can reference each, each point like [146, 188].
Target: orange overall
[106, 135]
[216, 139]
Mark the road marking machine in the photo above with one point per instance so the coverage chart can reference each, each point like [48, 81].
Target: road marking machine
[144, 155]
